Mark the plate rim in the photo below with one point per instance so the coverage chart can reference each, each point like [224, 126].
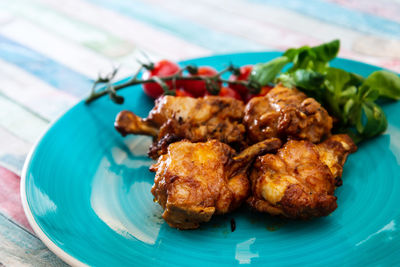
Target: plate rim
[58, 251]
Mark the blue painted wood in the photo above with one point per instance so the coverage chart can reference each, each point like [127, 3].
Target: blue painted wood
[20, 248]
[157, 17]
[336, 14]
[48, 70]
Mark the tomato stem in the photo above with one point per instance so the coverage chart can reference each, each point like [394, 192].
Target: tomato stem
[112, 89]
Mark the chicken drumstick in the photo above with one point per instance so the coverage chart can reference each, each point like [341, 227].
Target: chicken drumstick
[196, 119]
[196, 180]
[287, 114]
[299, 181]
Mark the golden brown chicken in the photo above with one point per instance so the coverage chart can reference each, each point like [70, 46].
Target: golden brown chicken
[299, 181]
[196, 180]
[196, 119]
[287, 114]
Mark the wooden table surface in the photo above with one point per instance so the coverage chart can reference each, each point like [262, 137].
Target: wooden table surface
[50, 52]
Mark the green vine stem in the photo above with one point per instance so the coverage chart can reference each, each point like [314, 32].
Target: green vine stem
[111, 89]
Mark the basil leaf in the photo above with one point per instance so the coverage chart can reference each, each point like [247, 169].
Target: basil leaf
[370, 94]
[303, 60]
[359, 121]
[350, 91]
[355, 79]
[264, 73]
[308, 79]
[376, 122]
[327, 51]
[324, 52]
[352, 111]
[286, 80]
[348, 106]
[292, 53]
[387, 84]
[312, 58]
[336, 79]
[345, 96]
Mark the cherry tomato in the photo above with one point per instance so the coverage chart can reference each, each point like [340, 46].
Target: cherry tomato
[229, 92]
[198, 88]
[181, 92]
[263, 92]
[161, 69]
[243, 76]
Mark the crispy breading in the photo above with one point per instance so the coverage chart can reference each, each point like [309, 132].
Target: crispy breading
[300, 180]
[287, 114]
[195, 119]
[196, 180]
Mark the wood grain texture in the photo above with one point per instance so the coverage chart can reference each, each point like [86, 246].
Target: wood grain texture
[18, 120]
[10, 199]
[21, 248]
[13, 151]
[83, 33]
[157, 17]
[342, 16]
[388, 9]
[146, 38]
[51, 52]
[33, 93]
[45, 68]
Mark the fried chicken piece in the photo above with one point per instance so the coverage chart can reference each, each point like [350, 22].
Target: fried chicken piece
[196, 180]
[196, 119]
[287, 114]
[300, 180]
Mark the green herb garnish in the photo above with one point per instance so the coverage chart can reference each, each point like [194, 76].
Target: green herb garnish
[347, 96]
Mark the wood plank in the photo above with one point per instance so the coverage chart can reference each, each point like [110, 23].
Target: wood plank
[66, 51]
[45, 68]
[384, 8]
[374, 46]
[5, 17]
[246, 27]
[340, 15]
[146, 38]
[62, 50]
[21, 122]
[285, 19]
[355, 45]
[157, 17]
[33, 93]
[10, 199]
[85, 34]
[20, 248]
[13, 151]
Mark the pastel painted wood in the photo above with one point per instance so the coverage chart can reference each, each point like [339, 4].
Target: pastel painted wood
[10, 200]
[20, 248]
[51, 52]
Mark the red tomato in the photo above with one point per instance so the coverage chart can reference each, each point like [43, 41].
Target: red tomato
[229, 92]
[263, 92]
[181, 92]
[198, 88]
[243, 76]
[161, 69]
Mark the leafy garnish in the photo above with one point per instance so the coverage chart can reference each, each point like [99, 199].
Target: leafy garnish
[265, 73]
[386, 83]
[347, 96]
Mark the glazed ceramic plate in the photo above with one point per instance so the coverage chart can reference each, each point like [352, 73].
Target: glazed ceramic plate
[86, 192]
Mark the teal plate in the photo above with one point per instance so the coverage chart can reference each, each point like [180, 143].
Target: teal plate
[86, 192]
